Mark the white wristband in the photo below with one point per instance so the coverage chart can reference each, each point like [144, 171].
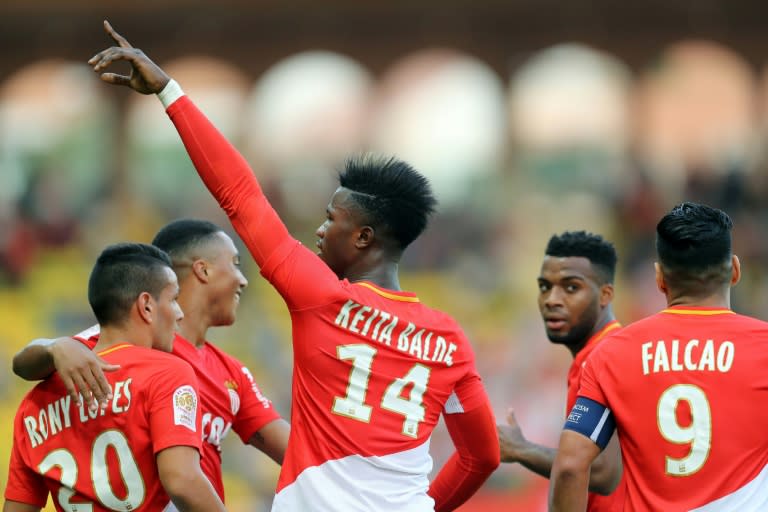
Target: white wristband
[170, 93]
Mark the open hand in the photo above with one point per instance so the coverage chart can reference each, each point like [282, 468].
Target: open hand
[511, 439]
[146, 77]
[82, 372]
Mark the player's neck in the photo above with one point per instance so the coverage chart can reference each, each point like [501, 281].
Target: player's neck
[711, 301]
[112, 336]
[194, 326]
[383, 275]
[603, 320]
[193, 332]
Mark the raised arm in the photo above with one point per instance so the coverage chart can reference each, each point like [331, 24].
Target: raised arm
[229, 178]
[184, 481]
[80, 369]
[605, 472]
[477, 456]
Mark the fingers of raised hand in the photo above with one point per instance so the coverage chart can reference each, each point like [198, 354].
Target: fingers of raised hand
[120, 40]
[106, 57]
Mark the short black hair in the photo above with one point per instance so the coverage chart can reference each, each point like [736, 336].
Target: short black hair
[181, 238]
[600, 252]
[392, 194]
[693, 242]
[123, 272]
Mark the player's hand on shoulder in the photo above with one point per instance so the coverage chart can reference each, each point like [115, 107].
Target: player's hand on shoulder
[511, 439]
[82, 372]
[146, 77]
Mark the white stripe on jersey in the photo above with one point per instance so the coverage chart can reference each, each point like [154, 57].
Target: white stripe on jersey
[753, 497]
[395, 482]
[453, 405]
[599, 427]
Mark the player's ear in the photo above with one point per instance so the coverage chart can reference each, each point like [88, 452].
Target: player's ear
[145, 305]
[200, 269]
[660, 283]
[606, 294]
[736, 270]
[365, 237]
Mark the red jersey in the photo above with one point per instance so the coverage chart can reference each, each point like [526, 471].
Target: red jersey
[105, 459]
[229, 399]
[688, 388]
[373, 368]
[596, 502]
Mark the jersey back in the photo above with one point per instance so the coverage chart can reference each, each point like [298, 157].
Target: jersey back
[688, 387]
[105, 460]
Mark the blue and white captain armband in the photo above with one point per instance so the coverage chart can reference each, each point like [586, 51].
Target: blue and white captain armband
[170, 93]
[592, 420]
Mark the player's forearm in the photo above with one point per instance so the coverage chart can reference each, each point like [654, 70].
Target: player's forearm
[191, 491]
[568, 490]
[34, 362]
[458, 481]
[536, 457]
[15, 506]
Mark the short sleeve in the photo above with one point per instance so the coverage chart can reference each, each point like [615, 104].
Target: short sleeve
[174, 407]
[24, 484]
[255, 410]
[590, 386]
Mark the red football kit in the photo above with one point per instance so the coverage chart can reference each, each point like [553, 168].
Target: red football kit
[105, 460]
[596, 502]
[688, 388]
[373, 368]
[229, 399]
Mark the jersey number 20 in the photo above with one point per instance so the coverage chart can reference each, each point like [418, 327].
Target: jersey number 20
[353, 405]
[698, 433]
[129, 471]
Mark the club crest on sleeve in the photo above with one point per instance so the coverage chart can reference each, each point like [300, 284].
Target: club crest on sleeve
[185, 407]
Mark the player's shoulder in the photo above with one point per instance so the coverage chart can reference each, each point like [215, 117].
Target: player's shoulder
[152, 361]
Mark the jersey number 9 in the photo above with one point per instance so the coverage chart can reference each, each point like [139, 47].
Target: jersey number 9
[698, 433]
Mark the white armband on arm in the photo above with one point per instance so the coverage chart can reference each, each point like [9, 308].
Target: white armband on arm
[170, 93]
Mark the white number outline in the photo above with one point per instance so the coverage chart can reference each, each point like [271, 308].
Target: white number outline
[65, 461]
[698, 434]
[352, 405]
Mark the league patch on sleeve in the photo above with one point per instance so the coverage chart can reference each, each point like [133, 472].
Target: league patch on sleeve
[185, 407]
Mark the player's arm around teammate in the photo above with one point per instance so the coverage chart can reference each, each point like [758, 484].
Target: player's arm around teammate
[81, 370]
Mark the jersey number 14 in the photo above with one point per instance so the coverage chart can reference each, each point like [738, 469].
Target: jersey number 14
[353, 404]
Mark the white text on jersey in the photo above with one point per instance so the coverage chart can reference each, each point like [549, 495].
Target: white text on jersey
[55, 417]
[380, 326]
[692, 355]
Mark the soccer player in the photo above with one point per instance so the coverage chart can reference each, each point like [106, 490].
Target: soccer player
[144, 446]
[575, 295]
[374, 367]
[206, 262]
[686, 388]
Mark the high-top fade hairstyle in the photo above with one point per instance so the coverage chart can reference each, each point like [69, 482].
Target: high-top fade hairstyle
[391, 194]
[123, 272]
[693, 242]
[600, 253]
[181, 238]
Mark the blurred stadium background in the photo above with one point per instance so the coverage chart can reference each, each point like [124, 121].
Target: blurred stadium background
[531, 117]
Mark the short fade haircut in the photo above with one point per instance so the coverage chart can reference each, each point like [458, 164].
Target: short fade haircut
[600, 252]
[181, 238]
[123, 272]
[693, 242]
[392, 194]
